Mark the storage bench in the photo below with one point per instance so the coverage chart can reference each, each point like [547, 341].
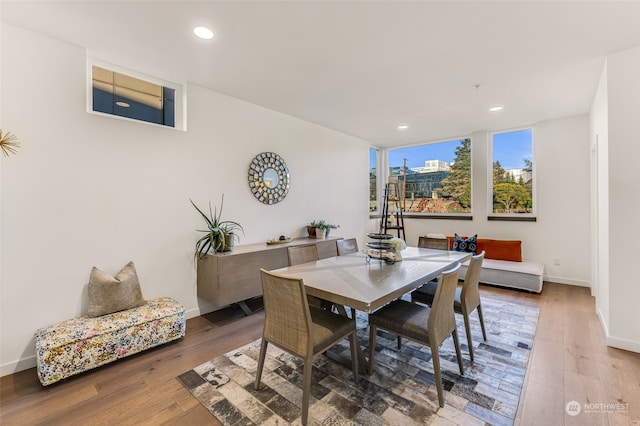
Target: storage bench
[503, 265]
[525, 275]
[80, 344]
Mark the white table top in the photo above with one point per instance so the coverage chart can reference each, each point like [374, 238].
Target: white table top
[351, 281]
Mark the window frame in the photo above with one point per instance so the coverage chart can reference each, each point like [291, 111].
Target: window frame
[379, 178]
[180, 101]
[427, 215]
[513, 217]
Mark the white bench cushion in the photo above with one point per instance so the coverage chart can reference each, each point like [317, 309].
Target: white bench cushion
[525, 275]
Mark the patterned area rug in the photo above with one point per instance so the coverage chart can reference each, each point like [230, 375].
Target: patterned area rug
[401, 391]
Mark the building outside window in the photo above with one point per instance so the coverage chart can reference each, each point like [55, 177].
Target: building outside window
[373, 180]
[433, 178]
[512, 184]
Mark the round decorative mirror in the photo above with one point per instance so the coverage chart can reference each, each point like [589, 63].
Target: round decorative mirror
[269, 178]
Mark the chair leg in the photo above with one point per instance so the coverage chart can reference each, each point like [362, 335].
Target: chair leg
[456, 343]
[306, 389]
[372, 346]
[435, 357]
[484, 333]
[399, 342]
[354, 356]
[467, 328]
[263, 352]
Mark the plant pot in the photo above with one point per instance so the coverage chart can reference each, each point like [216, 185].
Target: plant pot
[320, 232]
[229, 242]
[311, 231]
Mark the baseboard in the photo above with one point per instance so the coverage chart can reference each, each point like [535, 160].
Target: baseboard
[569, 281]
[201, 310]
[615, 342]
[30, 361]
[203, 307]
[627, 345]
[603, 324]
[16, 366]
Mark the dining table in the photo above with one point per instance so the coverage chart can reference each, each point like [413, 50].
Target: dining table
[366, 283]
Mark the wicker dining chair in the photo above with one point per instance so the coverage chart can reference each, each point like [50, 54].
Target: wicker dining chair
[302, 254]
[430, 243]
[291, 324]
[347, 246]
[433, 243]
[466, 299]
[427, 326]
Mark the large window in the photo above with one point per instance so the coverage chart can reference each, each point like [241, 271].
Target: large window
[373, 180]
[513, 176]
[433, 178]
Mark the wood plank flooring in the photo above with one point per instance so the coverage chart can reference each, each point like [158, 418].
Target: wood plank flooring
[570, 361]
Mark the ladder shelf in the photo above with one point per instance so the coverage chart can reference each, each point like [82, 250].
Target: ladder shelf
[392, 217]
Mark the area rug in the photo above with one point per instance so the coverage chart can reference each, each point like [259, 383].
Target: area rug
[401, 390]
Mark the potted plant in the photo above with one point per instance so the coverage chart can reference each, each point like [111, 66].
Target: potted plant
[8, 143]
[320, 224]
[219, 235]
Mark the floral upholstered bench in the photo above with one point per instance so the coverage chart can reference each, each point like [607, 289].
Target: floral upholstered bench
[76, 345]
[80, 344]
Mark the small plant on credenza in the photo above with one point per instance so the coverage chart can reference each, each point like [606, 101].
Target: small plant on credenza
[220, 234]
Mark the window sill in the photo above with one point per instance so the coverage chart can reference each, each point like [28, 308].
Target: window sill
[512, 218]
[429, 216]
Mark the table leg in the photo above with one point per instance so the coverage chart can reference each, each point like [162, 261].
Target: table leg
[362, 360]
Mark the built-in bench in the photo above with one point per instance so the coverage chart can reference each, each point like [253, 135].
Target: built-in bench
[80, 344]
[503, 265]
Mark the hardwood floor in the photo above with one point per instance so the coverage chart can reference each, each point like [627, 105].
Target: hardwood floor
[570, 361]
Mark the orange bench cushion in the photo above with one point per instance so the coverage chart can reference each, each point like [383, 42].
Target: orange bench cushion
[497, 249]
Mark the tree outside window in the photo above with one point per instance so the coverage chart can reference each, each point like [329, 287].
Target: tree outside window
[434, 177]
[512, 172]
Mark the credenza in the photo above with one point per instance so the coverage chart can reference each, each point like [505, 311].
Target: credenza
[232, 277]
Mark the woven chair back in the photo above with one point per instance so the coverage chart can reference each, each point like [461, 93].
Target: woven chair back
[346, 246]
[470, 295]
[302, 254]
[433, 243]
[442, 319]
[287, 320]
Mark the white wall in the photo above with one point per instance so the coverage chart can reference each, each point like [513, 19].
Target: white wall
[600, 202]
[623, 95]
[562, 229]
[88, 190]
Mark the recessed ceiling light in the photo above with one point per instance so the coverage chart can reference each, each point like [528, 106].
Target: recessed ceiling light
[496, 108]
[403, 127]
[123, 104]
[203, 32]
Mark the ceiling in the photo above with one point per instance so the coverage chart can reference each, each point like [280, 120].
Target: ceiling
[362, 67]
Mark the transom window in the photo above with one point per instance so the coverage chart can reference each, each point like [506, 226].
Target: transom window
[123, 95]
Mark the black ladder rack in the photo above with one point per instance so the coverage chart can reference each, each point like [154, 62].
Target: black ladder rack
[392, 220]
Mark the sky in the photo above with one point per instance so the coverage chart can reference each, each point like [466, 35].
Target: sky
[509, 148]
